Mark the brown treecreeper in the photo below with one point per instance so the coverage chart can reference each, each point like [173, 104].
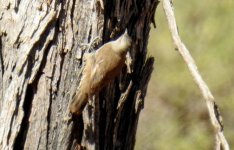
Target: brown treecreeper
[101, 67]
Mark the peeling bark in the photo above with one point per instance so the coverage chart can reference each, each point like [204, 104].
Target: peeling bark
[41, 48]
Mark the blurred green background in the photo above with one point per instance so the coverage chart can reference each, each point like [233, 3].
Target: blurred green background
[175, 115]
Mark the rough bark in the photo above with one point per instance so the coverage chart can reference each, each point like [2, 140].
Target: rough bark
[41, 48]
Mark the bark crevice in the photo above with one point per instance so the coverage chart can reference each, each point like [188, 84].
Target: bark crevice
[20, 138]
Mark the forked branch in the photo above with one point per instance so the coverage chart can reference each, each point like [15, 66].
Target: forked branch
[215, 117]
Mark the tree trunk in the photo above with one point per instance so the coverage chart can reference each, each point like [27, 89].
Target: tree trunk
[42, 44]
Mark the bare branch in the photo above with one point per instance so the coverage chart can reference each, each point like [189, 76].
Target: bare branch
[212, 107]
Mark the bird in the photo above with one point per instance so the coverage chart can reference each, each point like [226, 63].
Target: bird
[100, 68]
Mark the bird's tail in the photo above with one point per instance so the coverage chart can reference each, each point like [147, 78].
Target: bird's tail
[78, 103]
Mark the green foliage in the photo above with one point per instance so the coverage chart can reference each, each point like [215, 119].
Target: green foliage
[175, 115]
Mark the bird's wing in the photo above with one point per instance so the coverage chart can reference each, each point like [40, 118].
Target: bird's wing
[100, 69]
[97, 76]
[85, 82]
[81, 97]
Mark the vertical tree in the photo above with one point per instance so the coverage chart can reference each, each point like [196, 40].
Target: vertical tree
[42, 44]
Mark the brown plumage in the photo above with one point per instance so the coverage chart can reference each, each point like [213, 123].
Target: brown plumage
[101, 67]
